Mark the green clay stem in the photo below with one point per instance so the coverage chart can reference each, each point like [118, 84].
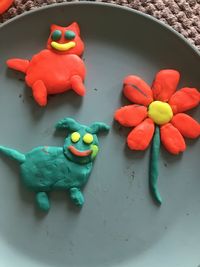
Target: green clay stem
[153, 170]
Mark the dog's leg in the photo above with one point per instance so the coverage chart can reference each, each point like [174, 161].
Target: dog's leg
[76, 196]
[42, 201]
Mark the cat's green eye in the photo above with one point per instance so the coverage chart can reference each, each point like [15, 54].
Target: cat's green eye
[70, 35]
[56, 35]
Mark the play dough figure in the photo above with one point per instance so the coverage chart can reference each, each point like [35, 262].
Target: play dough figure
[157, 115]
[57, 68]
[4, 5]
[48, 168]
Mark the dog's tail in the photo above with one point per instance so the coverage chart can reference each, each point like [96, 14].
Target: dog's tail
[13, 154]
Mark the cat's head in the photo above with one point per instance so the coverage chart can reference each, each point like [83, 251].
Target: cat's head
[66, 40]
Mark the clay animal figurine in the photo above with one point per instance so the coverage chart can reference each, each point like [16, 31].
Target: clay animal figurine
[57, 68]
[48, 168]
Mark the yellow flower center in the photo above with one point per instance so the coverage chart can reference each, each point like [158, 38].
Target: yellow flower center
[160, 112]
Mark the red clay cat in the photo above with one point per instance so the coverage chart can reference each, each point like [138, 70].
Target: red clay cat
[56, 69]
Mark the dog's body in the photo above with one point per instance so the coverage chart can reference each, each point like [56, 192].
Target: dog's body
[47, 168]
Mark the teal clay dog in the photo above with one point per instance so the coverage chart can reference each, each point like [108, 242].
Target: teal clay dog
[47, 168]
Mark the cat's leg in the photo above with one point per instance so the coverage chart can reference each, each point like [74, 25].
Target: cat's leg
[42, 201]
[77, 85]
[40, 93]
[76, 196]
[18, 64]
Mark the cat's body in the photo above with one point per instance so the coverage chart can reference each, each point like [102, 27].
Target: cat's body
[55, 69]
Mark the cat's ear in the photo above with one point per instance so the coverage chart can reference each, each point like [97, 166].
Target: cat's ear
[75, 27]
[68, 124]
[54, 27]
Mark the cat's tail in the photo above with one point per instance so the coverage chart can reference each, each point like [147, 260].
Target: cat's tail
[13, 154]
[18, 64]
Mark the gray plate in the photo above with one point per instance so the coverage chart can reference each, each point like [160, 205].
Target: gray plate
[119, 224]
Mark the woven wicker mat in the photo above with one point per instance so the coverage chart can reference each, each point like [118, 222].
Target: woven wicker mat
[182, 15]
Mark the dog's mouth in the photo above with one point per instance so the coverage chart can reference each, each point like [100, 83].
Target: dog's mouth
[79, 153]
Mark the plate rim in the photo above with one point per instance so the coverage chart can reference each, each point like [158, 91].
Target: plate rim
[109, 5]
[51, 7]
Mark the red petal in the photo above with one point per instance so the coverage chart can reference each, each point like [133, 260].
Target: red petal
[140, 137]
[186, 125]
[137, 91]
[184, 99]
[172, 139]
[131, 115]
[165, 84]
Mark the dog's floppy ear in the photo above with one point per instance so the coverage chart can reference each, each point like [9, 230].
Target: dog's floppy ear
[69, 124]
[97, 127]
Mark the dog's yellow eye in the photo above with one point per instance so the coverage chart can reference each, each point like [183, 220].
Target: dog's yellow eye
[75, 137]
[88, 138]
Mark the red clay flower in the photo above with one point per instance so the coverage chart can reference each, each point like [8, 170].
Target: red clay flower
[162, 108]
